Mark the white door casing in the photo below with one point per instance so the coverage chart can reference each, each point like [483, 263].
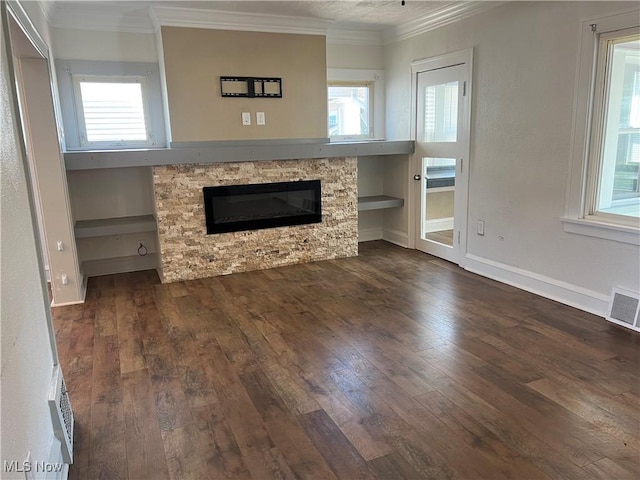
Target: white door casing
[442, 144]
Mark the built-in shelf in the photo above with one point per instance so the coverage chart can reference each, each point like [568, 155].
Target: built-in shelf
[115, 226]
[378, 202]
[110, 266]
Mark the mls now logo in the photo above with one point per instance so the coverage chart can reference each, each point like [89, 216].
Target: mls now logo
[16, 466]
[27, 466]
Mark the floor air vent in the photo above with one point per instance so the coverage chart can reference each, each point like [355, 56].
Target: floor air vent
[624, 309]
[61, 414]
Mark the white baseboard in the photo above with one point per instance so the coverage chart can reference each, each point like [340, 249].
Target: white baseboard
[563, 292]
[66, 304]
[83, 290]
[439, 224]
[396, 237]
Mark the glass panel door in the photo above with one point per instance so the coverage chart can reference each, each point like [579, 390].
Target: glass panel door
[441, 142]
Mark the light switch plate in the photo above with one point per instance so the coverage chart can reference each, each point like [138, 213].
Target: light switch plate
[260, 118]
[246, 118]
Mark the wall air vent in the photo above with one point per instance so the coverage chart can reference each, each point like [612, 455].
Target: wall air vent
[624, 308]
[61, 414]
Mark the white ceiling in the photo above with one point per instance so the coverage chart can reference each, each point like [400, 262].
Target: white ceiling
[377, 14]
[382, 17]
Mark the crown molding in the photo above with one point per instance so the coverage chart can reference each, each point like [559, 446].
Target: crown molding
[349, 36]
[438, 18]
[221, 20]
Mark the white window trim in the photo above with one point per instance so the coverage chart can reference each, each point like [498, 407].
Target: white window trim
[576, 219]
[154, 109]
[363, 76]
[82, 129]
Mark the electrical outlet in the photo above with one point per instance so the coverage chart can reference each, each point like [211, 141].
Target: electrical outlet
[246, 118]
[480, 227]
[64, 279]
[60, 245]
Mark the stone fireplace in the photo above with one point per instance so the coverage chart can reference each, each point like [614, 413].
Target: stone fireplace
[187, 252]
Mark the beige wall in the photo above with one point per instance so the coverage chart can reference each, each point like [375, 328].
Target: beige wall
[196, 58]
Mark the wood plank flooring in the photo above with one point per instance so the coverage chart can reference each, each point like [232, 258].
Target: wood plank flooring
[392, 365]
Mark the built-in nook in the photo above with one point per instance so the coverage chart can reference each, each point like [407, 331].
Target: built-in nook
[122, 200]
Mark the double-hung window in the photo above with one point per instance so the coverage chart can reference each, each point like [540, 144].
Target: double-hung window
[614, 160]
[605, 178]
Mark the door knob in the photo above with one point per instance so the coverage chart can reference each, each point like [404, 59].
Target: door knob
[417, 177]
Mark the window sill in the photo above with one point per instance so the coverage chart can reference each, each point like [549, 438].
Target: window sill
[607, 231]
[354, 139]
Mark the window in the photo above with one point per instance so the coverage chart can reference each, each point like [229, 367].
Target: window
[111, 111]
[441, 113]
[355, 104]
[604, 180]
[350, 110]
[110, 105]
[615, 143]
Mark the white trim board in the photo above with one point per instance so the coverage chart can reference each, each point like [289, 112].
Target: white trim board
[559, 291]
[396, 237]
[242, 21]
[447, 14]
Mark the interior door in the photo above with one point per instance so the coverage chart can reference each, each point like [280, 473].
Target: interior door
[442, 143]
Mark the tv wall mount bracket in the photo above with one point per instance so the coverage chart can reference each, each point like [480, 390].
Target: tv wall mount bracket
[251, 87]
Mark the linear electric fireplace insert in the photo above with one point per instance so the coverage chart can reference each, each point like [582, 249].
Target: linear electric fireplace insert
[234, 208]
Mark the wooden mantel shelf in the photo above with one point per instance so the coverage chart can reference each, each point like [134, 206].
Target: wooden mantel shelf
[237, 151]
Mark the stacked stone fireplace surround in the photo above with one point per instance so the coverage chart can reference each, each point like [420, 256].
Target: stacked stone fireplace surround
[187, 252]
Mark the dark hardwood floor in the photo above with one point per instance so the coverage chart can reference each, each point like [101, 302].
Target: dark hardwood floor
[391, 365]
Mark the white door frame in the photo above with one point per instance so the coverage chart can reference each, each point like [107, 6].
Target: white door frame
[423, 65]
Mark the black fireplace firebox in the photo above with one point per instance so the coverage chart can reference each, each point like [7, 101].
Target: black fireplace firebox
[234, 208]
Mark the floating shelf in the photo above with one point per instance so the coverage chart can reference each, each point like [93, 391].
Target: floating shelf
[378, 202]
[115, 226]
